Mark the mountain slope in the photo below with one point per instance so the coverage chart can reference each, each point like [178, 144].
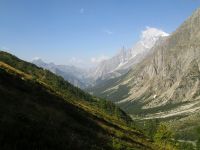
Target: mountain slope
[60, 86]
[166, 83]
[35, 114]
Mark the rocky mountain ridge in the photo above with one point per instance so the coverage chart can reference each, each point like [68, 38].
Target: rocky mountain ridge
[166, 83]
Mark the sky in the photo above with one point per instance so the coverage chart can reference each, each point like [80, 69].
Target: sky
[83, 32]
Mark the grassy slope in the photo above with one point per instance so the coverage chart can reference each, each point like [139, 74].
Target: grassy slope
[34, 116]
[59, 85]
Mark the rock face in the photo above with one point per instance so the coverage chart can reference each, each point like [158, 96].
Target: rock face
[167, 82]
[126, 58]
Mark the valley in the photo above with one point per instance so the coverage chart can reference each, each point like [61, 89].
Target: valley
[65, 83]
[165, 84]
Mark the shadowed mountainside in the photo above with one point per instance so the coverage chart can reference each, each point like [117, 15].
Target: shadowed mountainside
[41, 111]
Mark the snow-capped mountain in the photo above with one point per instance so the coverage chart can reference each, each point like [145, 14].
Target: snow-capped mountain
[126, 58]
[166, 84]
[70, 73]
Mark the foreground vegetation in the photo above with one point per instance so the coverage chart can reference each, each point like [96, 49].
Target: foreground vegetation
[39, 110]
[162, 133]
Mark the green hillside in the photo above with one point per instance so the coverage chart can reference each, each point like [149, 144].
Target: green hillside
[62, 87]
[40, 110]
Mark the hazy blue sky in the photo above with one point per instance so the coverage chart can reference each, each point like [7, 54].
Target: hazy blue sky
[61, 31]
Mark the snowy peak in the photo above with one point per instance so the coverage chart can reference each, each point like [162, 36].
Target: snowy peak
[150, 33]
[127, 57]
[148, 39]
[150, 36]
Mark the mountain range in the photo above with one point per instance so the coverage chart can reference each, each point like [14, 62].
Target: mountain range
[109, 68]
[126, 58]
[164, 85]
